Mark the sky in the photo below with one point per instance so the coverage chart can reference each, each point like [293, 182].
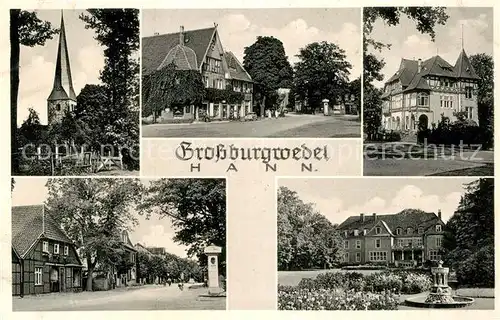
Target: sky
[153, 232]
[408, 43]
[338, 199]
[239, 28]
[37, 64]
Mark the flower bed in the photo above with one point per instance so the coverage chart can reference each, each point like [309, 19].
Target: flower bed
[295, 298]
[405, 282]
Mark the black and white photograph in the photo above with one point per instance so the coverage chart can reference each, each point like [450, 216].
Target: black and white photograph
[428, 91]
[82, 118]
[386, 244]
[251, 73]
[97, 244]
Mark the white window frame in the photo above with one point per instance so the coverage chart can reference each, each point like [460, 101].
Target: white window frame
[434, 255]
[378, 230]
[439, 242]
[356, 232]
[365, 232]
[38, 276]
[438, 228]
[358, 244]
[377, 255]
[420, 230]
[358, 256]
[346, 244]
[420, 242]
[398, 231]
[400, 242]
[66, 250]
[45, 246]
[409, 230]
[56, 248]
[378, 243]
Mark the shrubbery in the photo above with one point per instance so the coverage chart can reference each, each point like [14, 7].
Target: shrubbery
[295, 298]
[387, 136]
[459, 132]
[395, 281]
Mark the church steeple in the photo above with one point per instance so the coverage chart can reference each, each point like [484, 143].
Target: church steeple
[63, 95]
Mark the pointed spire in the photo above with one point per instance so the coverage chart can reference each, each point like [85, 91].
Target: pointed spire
[463, 68]
[63, 84]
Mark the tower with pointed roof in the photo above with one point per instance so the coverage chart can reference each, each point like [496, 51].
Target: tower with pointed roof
[62, 97]
[421, 91]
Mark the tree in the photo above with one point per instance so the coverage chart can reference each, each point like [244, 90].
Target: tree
[118, 31]
[266, 62]
[426, 19]
[93, 213]
[32, 131]
[306, 239]
[372, 111]
[28, 30]
[197, 208]
[321, 73]
[483, 65]
[470, 235]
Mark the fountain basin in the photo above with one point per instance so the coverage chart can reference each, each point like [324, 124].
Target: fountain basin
[419, 302]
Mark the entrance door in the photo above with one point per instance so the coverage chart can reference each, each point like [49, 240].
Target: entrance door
[62, 283]
[423, 122]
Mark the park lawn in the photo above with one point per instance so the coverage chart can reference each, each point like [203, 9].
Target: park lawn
[292, 278]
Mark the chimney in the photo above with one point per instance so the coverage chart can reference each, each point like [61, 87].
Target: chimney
[374, 217]
[181, 35]
[419, 65]
[362, 216]
[156, 33]
[439, 214]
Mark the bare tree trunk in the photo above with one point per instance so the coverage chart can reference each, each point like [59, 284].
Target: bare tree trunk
[14, 85]
[263, 107]
[90, 267]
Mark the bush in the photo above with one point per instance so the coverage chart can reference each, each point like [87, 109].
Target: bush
[379, 282]
[478, 269]
[388, 136]
[294, 298]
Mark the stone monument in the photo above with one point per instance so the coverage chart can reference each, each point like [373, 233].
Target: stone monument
[325, 107]
[212, 252]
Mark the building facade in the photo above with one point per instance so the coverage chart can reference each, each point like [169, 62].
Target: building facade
[420, 92]
[408, 238]
[44, 259]
[62, 98]
[200, 50]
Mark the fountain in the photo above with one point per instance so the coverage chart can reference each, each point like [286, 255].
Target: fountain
[440, 295]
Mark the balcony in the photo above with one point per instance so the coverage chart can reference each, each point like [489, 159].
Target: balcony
[407, 247]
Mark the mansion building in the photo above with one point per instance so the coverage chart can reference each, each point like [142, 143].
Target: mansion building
[420, 92]
[199, 50]
[407, 239]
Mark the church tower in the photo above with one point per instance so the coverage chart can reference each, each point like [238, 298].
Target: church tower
[63, 97]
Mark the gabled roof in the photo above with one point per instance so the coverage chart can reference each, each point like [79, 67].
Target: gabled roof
[30, 223]
[156, 48]
[236, 70]
[406, 72]
[413, 218]
[128, 244]
[463, 68]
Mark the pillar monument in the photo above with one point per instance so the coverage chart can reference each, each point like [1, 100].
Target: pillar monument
[212, 252]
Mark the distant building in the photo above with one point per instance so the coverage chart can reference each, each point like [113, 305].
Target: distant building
[408, 238]
[199, 50]
[157, 250]
[44, 259]
[421, 91]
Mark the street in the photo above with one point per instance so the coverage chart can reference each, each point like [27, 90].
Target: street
[149, 297]
[293, 125]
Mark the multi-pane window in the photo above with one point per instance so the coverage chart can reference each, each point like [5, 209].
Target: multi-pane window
[400, 242]
[423, 99]
[377, 243]
[346, 244]
[378, 230]
[66, 250]
[45, 247]
[469, 112]
[358, 256]
[439, 242]
[38, 276]
[56, 248]
[358, 244]
[438, 228]
[420, 230]
[418, 242]
[434, 255]
[378, 255]
[446, 101]
[468, 92]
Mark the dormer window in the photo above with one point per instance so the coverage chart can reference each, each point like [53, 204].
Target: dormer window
[346, 233]
[56, 248]
[45, 247]
[420, 230]
[398, 231]
[356, 232]
[438, 228]
[378, 230]
[409, 231]
[364, 232]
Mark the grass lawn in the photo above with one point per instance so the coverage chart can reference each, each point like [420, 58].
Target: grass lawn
[292, 278]
[487, 170]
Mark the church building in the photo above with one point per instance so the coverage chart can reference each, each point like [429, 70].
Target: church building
[199, 50]
[422, 90]
[63, 97]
